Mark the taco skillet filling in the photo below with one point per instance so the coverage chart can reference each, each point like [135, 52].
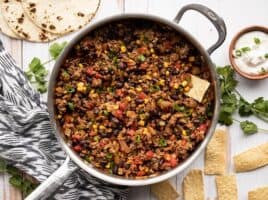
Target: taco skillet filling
[120, 98]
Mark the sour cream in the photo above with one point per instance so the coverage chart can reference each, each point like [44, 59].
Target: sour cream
[251, 52]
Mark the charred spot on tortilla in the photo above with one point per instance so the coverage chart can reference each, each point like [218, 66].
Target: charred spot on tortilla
[59, 18]
[52, 27]
[44, 25]
[32, 5]
[33, 10]
[80, 14]
[21, 19]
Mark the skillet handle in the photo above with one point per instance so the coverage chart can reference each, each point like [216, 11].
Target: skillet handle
[49, 186]
[216, 20]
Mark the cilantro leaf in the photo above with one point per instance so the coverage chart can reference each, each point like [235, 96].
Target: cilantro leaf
[16, 181]
[245, 108]
[227, 79]
[225, 118]
[248, 127]
[35, 65]
[56, 49]
[3, 166]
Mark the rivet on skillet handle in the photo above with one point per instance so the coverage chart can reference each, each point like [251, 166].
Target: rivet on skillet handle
[50, 185]
[212, 16]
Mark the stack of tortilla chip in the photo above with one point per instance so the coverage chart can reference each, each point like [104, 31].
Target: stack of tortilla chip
[44, 20]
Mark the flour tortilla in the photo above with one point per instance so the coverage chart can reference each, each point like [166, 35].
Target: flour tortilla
[216, 153]
[61, 16]
[199, 88]
[193, 185]
[226, 187]
[20, 24]
[252, 159]
[164, 191]
[4, 28]
[258, 194]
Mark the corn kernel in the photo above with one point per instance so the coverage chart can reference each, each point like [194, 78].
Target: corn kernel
[81, 87]
[80, 65]
[139, 89]
[154, 56]
[92, 91]
[155, 74]
[184, 83]
[161, 82]
[184, 132]
[145, 131]
[101, 127]
[123, 49]
[148, 77]
[167, 73]
[128, 98]
[141, 123]
[95, 126]
[187, 89]
[166, 64]
[152, 50]
[138, 42]
[176, 86]
[146, 100]
[140, 81]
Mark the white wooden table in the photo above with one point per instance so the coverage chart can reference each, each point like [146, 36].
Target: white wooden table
[237, 14]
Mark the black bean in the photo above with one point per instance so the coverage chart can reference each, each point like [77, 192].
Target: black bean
[139, 101]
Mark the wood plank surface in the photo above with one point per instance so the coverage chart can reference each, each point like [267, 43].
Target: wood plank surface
[237, 15]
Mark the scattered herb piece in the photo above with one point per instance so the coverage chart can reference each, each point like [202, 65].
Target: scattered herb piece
[266, 55]
[56, 49]
[138, 138]
[70, 106]
[257, 40]
[248, 127]
[37, 72]
[232, 100]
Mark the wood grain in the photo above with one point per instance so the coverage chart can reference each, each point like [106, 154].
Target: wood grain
[237, 14]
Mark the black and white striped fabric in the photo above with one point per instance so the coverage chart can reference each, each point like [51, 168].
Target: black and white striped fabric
[27, 140]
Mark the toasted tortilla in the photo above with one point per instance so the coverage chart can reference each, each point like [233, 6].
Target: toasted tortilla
[62, 16]
[216, 153]
[4, 28]
[20, 24]
[199, 88]
[226, 187]
[193, 185]
[258, 194]
[164, 191]
[252, 159]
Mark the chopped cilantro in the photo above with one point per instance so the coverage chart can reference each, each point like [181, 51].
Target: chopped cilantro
[257, 40]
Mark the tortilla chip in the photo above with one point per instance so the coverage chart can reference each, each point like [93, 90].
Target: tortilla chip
[216, 153]
[226, 187]
[193, 185]
[21, 25]
[252, 159]
[164, 191]
[258, 194]
[62, 16]
[4, 28]
[199, 88]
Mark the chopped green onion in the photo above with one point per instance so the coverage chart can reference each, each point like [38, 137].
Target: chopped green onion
[266, 55]
[162, 142]
[141, 58]
[138, 139]
[245, 49]
[263, 71]
[105, 112]
[70, 106]
[178, 108]
[70, 89]
[154, 88]
[96, 138]
[109, 155]
[257, 40]
[238, 53]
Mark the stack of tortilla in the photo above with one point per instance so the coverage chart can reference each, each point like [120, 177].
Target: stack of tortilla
[44, 20]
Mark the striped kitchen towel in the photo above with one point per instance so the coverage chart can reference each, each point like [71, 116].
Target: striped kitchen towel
[27, 141]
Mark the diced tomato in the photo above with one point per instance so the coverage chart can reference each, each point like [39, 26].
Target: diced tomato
[183, 142]
[143, 66]
[98, 75]
[102, 144]
[173, 162]
[140, 173]
[77, 137]
[137, 160]
[142, 50]
[202, 127]
[92, 133]
[177, 65]
[142, 95]
[90, 71]
[77, 148]
[119, 92]
[122, 106]
[131, 132]
[118, 114]
[149, 154]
